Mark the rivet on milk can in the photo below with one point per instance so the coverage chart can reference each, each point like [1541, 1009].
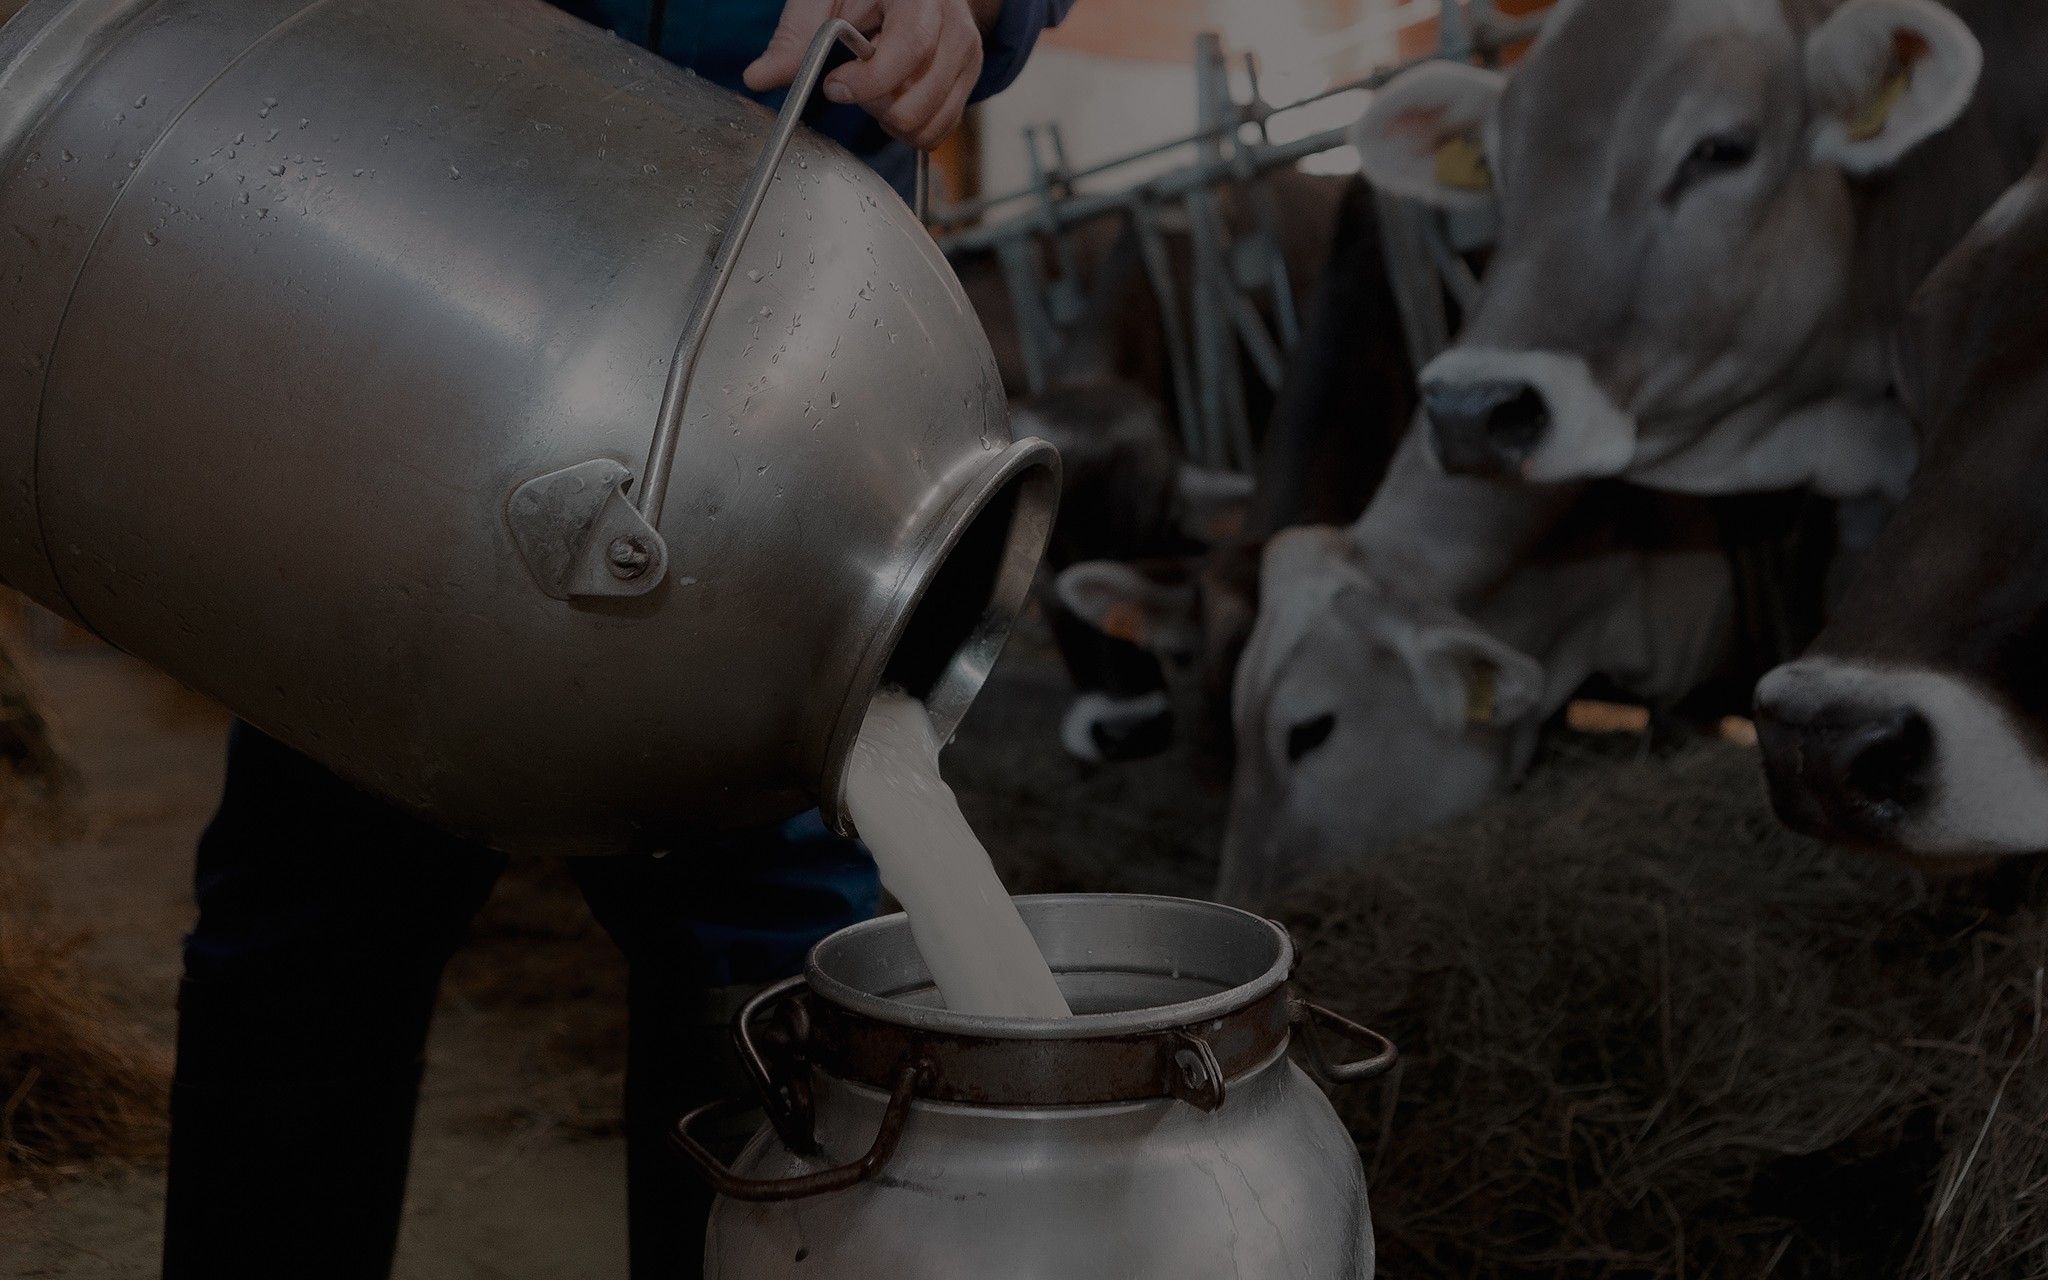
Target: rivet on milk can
[498, 496]
[1163, 1131]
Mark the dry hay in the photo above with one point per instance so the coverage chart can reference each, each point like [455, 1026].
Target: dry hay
[1649, 1033]
[77, 1083]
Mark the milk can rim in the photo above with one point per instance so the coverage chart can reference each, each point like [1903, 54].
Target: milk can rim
[1027, 463]
[1188, 1013]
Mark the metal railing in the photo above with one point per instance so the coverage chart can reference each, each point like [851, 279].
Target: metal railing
[1237, 304]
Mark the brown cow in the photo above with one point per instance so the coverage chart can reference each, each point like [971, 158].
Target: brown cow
[1919, 721]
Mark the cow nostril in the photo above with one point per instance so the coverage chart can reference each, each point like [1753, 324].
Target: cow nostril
[1884, 759]
[1842, 768]
[1486, 427]
[1518, 424]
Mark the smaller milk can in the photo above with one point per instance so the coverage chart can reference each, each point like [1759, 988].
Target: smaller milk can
[1162, 1131]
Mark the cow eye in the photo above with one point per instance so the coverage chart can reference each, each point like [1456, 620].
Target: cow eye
[1308, 735]
[1715, 154]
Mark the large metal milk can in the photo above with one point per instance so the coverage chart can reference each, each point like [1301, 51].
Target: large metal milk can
[531, 431]
[1162, 1132]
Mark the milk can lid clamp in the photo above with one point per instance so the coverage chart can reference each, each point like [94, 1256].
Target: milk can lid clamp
[1174, 999]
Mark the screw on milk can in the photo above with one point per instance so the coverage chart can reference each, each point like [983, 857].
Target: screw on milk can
[1162, 1131]
[527, 429]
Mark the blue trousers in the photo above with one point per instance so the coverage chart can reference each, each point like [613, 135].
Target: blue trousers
[325, 919]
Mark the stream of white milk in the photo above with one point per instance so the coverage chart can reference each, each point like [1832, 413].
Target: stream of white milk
[965, 925]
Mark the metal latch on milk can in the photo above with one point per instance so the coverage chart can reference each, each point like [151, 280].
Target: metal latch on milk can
[585, 531]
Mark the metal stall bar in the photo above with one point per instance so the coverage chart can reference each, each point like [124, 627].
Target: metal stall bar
[1223, 324]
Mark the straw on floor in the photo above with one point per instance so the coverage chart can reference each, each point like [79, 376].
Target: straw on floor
[1649, 1033]
[77, 1084]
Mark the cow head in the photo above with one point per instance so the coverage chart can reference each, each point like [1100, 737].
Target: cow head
[1919, 721]
[1135, 520]
[1361, 715]
[1191, 614]
[1674, 185]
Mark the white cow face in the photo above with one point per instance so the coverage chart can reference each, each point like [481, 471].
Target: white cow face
[1362, 716]
[1674, 184]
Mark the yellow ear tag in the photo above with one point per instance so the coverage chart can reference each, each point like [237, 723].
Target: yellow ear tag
[1872, 120]
[1461, 166]
[1481, 697]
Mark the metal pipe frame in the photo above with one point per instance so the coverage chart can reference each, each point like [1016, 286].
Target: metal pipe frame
[1223, 322]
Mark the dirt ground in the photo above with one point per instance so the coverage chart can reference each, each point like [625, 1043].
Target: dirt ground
[517, 1166]
[514, 1174]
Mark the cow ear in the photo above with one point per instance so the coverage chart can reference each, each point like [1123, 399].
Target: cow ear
[1424, 136]
[1126, 604]
[1469, 680]
[1885, 76]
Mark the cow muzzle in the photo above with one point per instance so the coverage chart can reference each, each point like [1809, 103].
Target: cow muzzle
[1842, 766]
[1538, 416]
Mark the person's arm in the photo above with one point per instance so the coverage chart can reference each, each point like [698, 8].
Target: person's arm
[932, 57]
[1009, 37]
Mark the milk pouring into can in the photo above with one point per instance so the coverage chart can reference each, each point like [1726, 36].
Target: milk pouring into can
[981, 956]
[934, 1102]
[1164, 1130]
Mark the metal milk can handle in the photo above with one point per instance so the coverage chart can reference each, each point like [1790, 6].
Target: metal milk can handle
[1312, 1018]
[786, 1100]
[773, 1190]
[791, 1117]
[654, 486]
[580, 534]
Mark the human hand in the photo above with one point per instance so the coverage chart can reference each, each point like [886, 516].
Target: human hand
[926, 62]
